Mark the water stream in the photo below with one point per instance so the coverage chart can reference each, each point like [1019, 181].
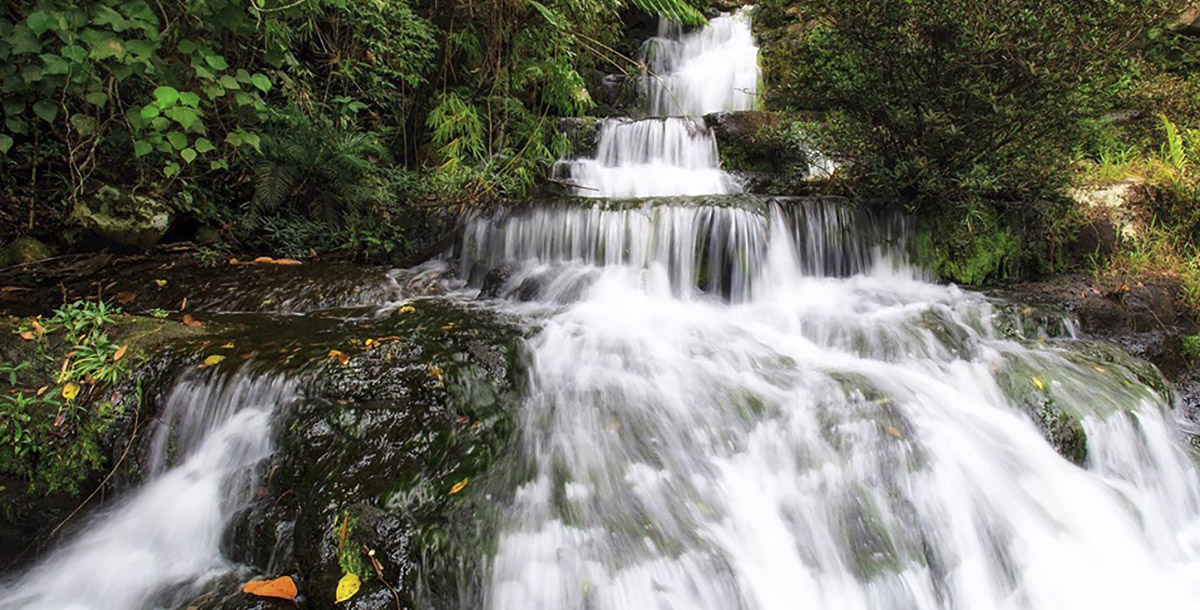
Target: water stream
[766, 407]
[734, 403]
[159, 547]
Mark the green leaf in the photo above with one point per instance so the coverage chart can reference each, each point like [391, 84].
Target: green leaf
[166, 96]
[6, 143]
[142, 49]
[262, 82]
[54, 64]
[188, 155]
[216, 62]
[228, 82]
[46, 110]
[23, 40]
[186, 46]
[39, 22]
[203, 145]
[186, 117]
[553, 18]
[111, 18]
[141, 148]
[171, 169]
[14, 107]
[233, 138]
[160, 123]
[17, 125]
[74, 53]
[187, 98]
[149, 111]
[177, 139]
[251, 139]
[96, 98]
[84, 124]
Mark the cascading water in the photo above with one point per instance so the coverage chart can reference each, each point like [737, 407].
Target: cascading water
[689, 75]
[162, 545]
[765, 407]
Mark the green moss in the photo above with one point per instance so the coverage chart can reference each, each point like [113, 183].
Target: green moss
[350, 553]
[969, 246]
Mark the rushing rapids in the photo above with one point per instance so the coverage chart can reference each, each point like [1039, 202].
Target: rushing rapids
[836, 433]
[674, 153]
[160, 547]
[732, 403]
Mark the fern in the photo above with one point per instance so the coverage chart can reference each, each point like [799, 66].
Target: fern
[678, 11]
[1174, 151]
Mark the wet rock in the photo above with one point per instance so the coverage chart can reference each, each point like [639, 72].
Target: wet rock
[496, 280]
[1097, 239]
[765, 150]
[1188, 22]
[24, 250]
[1150, 307]
[582, 133]
[368, 461]
[120, 218]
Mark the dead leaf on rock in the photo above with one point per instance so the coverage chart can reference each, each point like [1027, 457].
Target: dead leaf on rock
[283, 588]
[189, 321]
[342, 358]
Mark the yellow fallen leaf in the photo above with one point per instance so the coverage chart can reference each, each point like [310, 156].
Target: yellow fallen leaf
[227, 345]
[70, 391]
[120, 353]
[183, 305]
[892, 430]
[283, 588]
[449, 326]
[42, 390]
[370, 343]
[28, 335]
[406, 309]
[1098, 369]
[160, 283]
[1038, 382]
[459, 486]
[347, 587]
[213, 360]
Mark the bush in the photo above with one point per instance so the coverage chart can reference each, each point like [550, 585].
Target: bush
[956, 108]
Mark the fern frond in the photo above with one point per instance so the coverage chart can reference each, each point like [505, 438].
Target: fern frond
[679, 11]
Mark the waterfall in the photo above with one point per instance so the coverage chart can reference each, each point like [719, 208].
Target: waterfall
[760, 405]
[689, 75]
[160, 546]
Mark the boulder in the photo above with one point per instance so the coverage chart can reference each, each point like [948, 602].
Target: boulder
[121, 218]
[1188, 22]
[24, 250]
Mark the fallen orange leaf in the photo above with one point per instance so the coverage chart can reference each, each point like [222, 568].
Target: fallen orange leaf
[37, 327]
[188, 320]
[283, 588]
[436, 373]
[28, 335]
[459, 486]
[342, 358]
[286, 261]
[120, 353]
[264, 259]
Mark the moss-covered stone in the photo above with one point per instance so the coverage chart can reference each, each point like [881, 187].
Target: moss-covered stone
[24, 250]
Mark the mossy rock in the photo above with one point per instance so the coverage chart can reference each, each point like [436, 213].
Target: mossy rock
[24, 250]
[121, 218]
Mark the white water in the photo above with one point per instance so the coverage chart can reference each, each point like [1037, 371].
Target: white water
[766, 408]
[689, 75]
[160, 546]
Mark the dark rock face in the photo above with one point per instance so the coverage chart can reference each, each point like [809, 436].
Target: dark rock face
[121, 219]
[764, 150]
[24, 250]
[368, 460]
[1142, 319]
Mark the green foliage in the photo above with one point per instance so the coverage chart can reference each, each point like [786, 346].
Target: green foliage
[314, 111]
[951, 107]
